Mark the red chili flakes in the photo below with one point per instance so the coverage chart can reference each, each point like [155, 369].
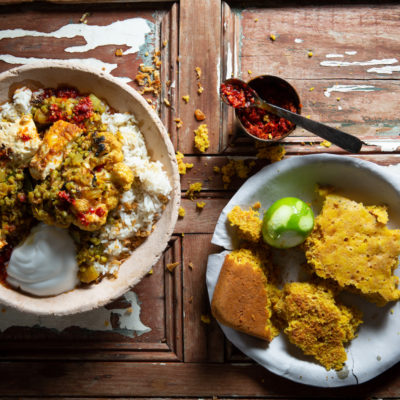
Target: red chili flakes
[21, 197]
[83, 110]
[237, 96]
[25, 137]
[82, 218]
[66, 93]
[100, 211]
[63, 195]
[56, 113]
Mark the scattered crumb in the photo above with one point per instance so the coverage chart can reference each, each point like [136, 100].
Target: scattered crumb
[326, 143]
[83, 19]
[201, 141]
[249, 71]
[256, 206]
[181, 212]
[172, 266]
[308, 116]
[272, 37]
[271, 153]
[199, 115]
[106, 323]
[166, 102]
[198, 72]
[200, 88]
[182, 234]
[310, 54]
[179, 123]
[190, 299]
[193, 188]
[216, 169]
[337, 98]
[164, 43]
[255, 19]
[200, 204]
[311, 89]
[119, 52]
[190, 265]
[150, 101]
[150, 272]
[235, 168]
[146, 54]
[182, 166]
[129, 310]
[149, 78]
[185, 98]
[205, 319]
[168, 82]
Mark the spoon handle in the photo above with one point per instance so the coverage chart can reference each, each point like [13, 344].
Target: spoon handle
[339, 138]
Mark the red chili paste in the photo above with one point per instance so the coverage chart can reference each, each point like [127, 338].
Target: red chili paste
[236, 95]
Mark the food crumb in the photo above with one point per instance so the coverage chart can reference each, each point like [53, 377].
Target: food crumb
[190, 265]
[179, 123]
[311, 89]
[308, 116]
[83, 19]
[182, 166]
[216, 169]
[190, 299]
[337, 98]
[193, 189]
[129, 310]
[255, 19]
[106, 323]
[172, 266]
[326, 143]
[201, 141]
[256, 206]
[200, 88]
[205, 319]
[234, 168]
[146, 54]
[181, 212]
[310, 54]
[199, 115]
[119, 52]
[272, 37]
[166, 102]
[200, 204]
[198, 72]
[249, 71]
[185, 98]
[271, 153]
[164, 43]
[150, 272]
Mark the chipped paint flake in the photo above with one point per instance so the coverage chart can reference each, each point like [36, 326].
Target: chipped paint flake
[298, 40]
[351, 53]
[333, 55]
[385, 145]
[349, 88]
[332, 63]
[99, 319]
[385, 70]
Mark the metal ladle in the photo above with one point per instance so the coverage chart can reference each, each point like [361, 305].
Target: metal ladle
[339, 138]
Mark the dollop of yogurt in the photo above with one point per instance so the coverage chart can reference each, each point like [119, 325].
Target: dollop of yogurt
[45, 263]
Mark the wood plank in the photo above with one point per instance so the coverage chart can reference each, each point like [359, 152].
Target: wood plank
[108, 379]
[199, 46]
[203, 341]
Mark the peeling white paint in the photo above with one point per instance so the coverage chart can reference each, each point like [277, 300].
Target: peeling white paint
[298, 40]
[351, 53]
[385, 70]
[388, 146]
[348, 88]
[229, 62]
[94, 320]
[351, 63]
[130, 32]
[340, 108]
[333, 55]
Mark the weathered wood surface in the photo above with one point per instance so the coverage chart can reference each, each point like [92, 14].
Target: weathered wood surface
[182, 356]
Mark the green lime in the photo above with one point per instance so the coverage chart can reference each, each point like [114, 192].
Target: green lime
[287, 223]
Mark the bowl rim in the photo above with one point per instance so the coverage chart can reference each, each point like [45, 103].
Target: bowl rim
[47, 305]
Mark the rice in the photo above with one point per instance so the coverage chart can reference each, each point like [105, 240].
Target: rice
[11, 111]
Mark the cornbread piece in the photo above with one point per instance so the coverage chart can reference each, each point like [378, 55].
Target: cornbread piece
[248, 223]
[53, 148]
[242, 296]
[201, 141]
[19, 140]
[351, 245]
[182, 166]
[317, 323]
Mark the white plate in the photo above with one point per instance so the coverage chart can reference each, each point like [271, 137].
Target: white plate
[377, 346]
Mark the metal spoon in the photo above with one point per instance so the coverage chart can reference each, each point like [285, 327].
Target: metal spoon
[339, 138]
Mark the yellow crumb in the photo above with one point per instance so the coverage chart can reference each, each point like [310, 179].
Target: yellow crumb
[193, 188]
[181, 212]
[166, 102]
[247, 222]
[129, 310]
[271, 153]
[216, 169]
[311, 89]
[272, 37]
[172, 266]
[199, 115]
[185, 98]
[310, 54]
[205, 319]
[200, 204]
[201, 141]
[179, 123]
[337, 98]
[106, 323]
[249, 71]
[146, 54]
[198, 72]
[308, 116]
[256, 206]
[182, 166]
[326, 143]
[255, 19]
[182, 234]
[119, 52]
[150, 272]
[164, 43]
[234, 168]
[190, 265]
[200, 88]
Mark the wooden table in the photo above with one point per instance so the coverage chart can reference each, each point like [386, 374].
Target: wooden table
[351, 81]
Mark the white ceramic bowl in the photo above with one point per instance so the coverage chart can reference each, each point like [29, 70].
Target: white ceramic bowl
[122, 98]
[376, 347]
